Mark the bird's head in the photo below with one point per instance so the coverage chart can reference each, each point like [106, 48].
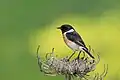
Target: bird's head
[65, 28]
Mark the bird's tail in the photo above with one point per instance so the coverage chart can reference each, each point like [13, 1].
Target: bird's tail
[86, 50]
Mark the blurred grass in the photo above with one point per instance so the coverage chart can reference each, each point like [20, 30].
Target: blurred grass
[25, 23]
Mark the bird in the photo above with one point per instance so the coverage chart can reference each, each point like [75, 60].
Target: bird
[73, 40]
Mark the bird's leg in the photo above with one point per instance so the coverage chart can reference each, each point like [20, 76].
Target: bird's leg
[79, 55]
[71, 55]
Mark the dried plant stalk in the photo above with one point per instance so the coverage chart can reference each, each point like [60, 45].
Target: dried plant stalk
[76, 68]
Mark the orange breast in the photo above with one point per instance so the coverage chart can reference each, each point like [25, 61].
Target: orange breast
[70, 44]
[66, 40]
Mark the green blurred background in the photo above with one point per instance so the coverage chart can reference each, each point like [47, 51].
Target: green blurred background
[26, 23]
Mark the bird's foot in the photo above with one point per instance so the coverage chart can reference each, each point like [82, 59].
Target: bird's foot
[68, 60]
[82, 58]
[78, 57]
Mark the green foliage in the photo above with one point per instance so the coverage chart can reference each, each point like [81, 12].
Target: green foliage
[20, 20]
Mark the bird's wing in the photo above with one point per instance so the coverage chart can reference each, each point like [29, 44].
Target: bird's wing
[75, 37]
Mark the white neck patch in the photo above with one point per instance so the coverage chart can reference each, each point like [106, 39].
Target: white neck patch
[71, 30]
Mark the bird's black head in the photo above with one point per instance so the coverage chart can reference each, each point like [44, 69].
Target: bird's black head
[65, 28]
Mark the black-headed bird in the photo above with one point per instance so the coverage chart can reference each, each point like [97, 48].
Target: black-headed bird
[73, 40]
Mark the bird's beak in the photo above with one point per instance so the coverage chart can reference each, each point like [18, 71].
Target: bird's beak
[58, 27]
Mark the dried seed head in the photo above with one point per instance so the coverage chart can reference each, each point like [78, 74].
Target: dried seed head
[75, 68]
